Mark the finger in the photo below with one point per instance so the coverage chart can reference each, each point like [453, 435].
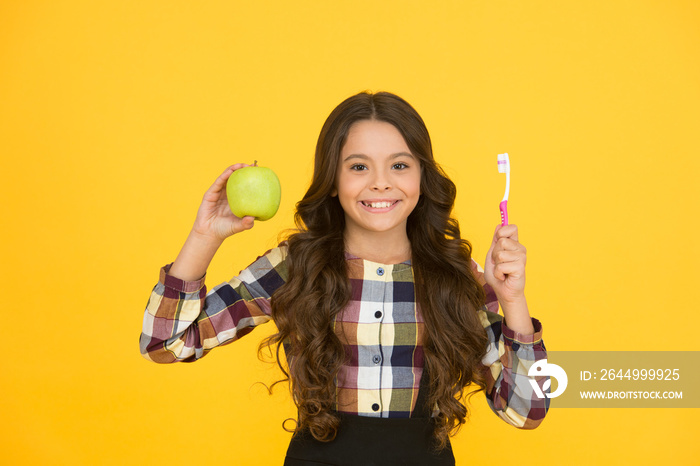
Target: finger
[220, 182]
[509, 269]
[507, 231]
[247, 222]
[238, 166]
[502, 257]
[495, 236]
[508, 244]
[242, 224]
[498, 273]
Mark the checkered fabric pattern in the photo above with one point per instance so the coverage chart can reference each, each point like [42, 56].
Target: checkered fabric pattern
[381, 329]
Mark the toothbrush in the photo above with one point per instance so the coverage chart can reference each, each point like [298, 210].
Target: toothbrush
[504, 167]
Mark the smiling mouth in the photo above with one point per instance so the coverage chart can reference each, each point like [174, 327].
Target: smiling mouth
[379, 205]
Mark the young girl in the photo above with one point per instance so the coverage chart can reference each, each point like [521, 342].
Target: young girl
[382, 314]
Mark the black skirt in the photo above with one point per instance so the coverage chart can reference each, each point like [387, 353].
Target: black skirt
[371, 441]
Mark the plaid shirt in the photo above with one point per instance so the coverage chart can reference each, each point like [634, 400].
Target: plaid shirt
[381, 329]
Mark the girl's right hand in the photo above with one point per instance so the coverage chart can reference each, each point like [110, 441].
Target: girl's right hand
[214, 217]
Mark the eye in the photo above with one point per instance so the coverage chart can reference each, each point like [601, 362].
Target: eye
[399, 166]
[358, 167]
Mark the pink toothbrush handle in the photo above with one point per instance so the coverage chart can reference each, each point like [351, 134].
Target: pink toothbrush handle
[504, 212]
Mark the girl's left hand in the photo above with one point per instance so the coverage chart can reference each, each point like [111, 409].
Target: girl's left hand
[504, 268]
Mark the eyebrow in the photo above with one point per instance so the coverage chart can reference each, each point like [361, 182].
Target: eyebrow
[365, 157]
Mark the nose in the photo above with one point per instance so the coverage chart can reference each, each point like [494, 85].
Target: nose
[381, 181]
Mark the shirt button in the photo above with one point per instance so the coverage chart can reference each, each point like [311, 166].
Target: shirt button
[380, 271]
[378, 314]
[375, 407]
[376, 359]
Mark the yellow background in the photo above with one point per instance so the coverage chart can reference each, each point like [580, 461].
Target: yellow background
[115, 117]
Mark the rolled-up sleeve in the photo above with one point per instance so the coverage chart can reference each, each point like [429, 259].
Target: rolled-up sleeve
[508, 359]
[183, 322]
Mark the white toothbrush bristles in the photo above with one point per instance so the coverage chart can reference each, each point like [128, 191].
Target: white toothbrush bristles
[503, 163]
[504, 167]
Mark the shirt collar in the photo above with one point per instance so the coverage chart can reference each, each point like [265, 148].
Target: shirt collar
[349, 256]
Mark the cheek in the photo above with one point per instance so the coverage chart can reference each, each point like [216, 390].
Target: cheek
[417, 186]
[349, 186]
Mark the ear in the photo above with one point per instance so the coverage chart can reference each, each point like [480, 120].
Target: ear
[334, 192]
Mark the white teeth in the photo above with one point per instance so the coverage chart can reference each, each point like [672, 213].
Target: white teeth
[378, 205]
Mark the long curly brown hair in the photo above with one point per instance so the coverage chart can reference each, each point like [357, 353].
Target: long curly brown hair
[318, 287]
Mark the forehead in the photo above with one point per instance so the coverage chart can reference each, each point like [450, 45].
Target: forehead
[373, 137]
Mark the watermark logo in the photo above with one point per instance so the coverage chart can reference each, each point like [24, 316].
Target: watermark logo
[542, 368]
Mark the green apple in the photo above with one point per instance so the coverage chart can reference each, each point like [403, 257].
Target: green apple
[254, 191]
